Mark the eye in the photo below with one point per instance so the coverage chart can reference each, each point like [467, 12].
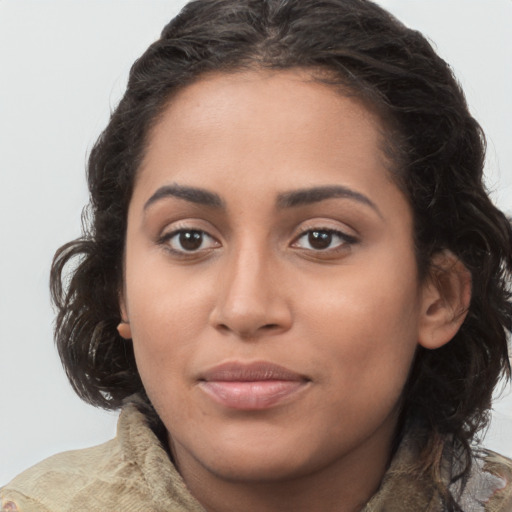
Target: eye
[323, 240]
[189, 241]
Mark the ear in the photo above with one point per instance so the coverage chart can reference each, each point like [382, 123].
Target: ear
[446, 296]
[124, 328]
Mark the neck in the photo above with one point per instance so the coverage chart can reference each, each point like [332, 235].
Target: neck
[345, 485]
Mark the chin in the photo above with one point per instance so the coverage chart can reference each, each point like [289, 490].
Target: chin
[259, 456]
[262, 467]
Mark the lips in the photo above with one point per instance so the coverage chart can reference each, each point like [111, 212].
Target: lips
[253, 386]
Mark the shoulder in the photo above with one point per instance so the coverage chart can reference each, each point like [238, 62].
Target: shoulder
[57, 482]
[488, 487]
[131, 472]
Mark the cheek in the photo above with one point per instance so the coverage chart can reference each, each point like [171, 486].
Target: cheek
[167, 313]
[166, 330]
[365, 327]
[161, 298]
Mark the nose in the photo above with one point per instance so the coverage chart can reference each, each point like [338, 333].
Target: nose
[251, 300]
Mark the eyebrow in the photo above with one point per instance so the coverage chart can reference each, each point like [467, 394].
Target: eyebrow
[290, 199]
[308, 196]
[191, 194]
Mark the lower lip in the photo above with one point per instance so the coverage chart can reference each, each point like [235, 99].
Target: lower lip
[253, 395]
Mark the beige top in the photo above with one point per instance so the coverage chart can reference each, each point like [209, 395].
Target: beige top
[133, 473]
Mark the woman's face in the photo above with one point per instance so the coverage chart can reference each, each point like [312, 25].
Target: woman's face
[271, 287]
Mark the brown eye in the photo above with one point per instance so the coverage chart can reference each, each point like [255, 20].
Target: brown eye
[324, 240]
[184, 241]
[190, 240]
[320, 239]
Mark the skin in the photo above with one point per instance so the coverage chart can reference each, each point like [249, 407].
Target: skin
[347, 318]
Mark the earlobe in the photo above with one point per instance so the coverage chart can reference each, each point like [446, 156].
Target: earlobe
[446, 296]
[124, 330]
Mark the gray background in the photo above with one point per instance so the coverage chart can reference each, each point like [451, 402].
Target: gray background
[63, 66]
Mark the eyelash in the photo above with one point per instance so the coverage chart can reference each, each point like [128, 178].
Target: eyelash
[167, 239]
[199, 235]
[324, 234]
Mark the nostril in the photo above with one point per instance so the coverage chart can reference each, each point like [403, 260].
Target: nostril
[248, 333]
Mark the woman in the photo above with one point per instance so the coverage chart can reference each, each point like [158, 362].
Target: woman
[293, 281]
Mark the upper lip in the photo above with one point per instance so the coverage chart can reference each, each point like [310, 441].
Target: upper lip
[250, 372]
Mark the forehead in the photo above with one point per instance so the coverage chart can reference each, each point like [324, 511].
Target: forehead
[262, 118]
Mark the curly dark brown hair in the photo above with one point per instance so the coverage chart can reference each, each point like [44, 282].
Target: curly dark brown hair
[437, 146]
